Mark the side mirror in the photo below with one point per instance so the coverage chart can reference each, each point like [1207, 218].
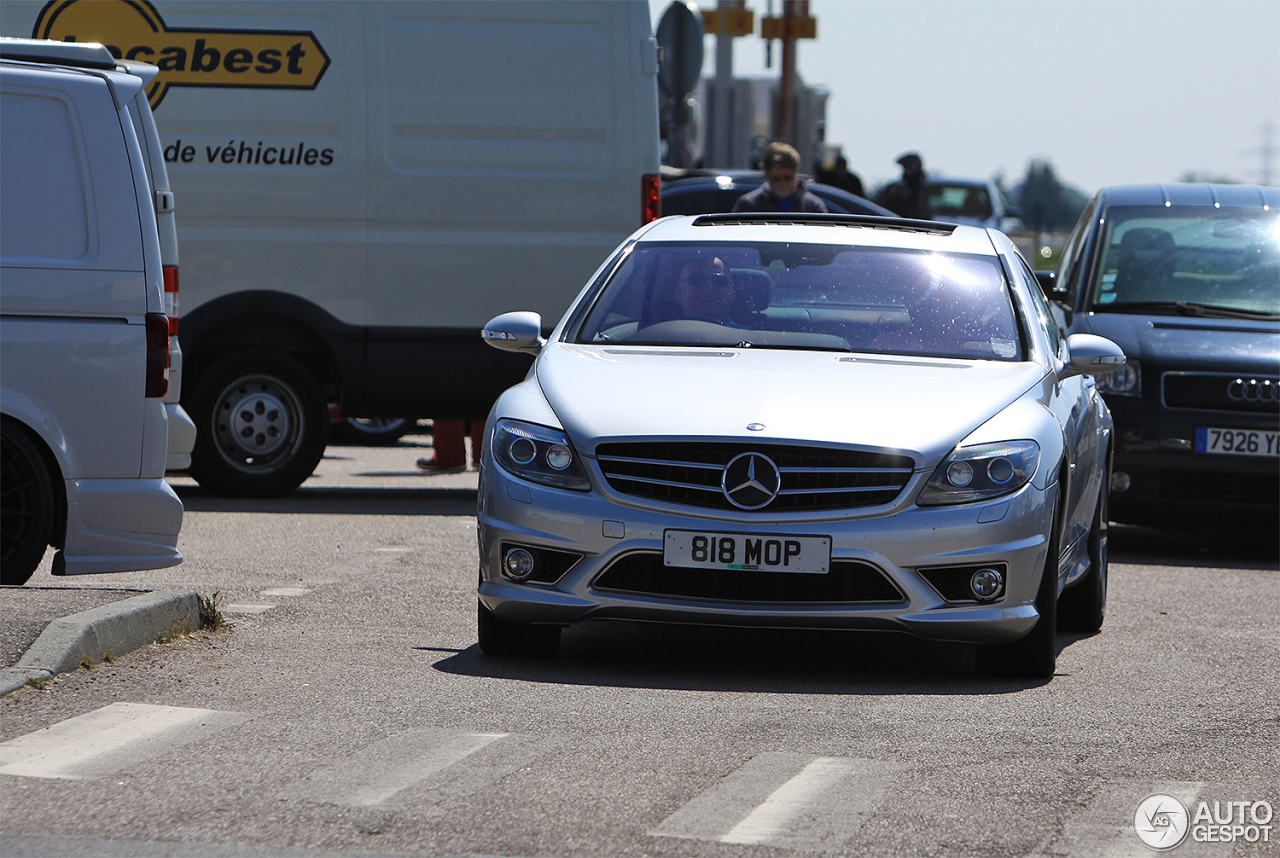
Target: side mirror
[1091, 355]
[515, 332]
[1048, 281]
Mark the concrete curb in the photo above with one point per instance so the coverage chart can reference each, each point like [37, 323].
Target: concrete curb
[117, 628]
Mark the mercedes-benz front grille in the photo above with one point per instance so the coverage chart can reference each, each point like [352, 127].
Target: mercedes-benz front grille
[813, 478]
[848, 582]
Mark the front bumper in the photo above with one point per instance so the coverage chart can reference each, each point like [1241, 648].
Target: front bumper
[1167, 478]
[1010, 530]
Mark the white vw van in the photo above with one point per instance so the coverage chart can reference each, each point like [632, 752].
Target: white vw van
[84, 341]
[362, 186]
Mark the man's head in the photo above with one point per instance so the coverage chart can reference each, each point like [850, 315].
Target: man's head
[911, 164]
[780, 164]
[705, 290]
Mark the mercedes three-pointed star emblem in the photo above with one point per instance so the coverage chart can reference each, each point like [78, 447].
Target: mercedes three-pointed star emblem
[751, 481]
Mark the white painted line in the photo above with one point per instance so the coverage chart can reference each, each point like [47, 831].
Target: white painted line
[107, 739]
[396, 550]
[285, 591]
[385, 768]
[773, 818]
[791, 801]
[245, 608]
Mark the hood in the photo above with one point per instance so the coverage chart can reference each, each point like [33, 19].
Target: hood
[1227, 345]
[918, 406]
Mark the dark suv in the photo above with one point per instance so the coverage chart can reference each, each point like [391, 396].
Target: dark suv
[1186, 280]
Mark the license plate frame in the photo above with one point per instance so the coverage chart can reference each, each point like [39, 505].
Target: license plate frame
[1219, 441]
[773, 552]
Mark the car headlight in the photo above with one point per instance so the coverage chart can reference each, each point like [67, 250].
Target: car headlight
[980, 472]
[538, 454]
[1125, 381]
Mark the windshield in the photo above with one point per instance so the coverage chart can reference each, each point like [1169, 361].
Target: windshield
[1226, 259]
[959, 200]
[808, 296]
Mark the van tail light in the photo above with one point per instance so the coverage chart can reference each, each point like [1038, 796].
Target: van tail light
[157, 354]
[650, 197]
[171, 297]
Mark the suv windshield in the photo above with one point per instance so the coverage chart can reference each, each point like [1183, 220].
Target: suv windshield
[808, 296]
[1190, 260]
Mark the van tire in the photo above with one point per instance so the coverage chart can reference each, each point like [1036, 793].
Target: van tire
[26, 514]
[261, 425]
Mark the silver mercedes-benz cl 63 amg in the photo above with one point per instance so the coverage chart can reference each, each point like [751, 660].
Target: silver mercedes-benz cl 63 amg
[801, 421]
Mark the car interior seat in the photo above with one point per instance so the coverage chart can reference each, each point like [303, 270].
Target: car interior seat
[753, 290]
[1144, 270]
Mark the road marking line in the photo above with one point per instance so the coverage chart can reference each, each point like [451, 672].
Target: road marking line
[385, 768]
[246, 608]
[285, 591]
[107, 739]
[789, 801]
[774, 817]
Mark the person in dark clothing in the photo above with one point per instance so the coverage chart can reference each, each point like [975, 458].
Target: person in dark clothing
[840, 177]
[909, 196]
[782, 191]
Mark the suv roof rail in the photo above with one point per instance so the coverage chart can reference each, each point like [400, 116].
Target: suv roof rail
[86, 55]
[814, 219]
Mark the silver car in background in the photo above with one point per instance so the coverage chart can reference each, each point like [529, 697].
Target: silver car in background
[801, 421]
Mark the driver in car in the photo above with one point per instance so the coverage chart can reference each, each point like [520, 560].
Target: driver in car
[705, 290]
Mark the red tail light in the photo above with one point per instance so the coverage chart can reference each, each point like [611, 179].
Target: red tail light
[157, 354]
[650, 197]
[171, 297]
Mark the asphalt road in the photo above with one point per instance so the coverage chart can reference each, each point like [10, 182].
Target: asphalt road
[349, 711]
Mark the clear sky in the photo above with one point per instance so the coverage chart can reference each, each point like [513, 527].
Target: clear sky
[1108, 91]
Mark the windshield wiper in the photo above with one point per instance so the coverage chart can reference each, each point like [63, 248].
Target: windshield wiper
[747, 344]
[1186, 308]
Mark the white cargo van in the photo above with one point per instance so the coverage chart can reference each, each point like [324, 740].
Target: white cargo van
[84, 342]
[363, 185]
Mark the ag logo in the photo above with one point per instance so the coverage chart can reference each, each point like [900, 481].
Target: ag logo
[134, 30]
[1161, 822]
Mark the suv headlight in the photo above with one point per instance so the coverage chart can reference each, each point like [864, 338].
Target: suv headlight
[538, 454]
[980, 472]
[1125, 381]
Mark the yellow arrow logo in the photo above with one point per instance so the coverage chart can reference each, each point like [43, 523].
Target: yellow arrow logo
[134, 30]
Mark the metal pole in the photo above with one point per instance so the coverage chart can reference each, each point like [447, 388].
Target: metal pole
[788, 70]
[722, 116]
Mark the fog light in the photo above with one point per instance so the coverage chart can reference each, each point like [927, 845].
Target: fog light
[986, 584]
[517, 564]
[1120, 482]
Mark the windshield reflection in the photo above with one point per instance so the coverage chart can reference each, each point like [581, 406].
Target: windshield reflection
[829, 297]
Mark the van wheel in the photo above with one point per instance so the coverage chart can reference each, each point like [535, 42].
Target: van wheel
[501, 637]
[26, 508]
[261, 425]
[1083, 606]
[370, 431]
[1035, 655]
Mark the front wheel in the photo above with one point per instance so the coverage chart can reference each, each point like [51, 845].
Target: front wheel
[261, 425]
[26, 506]
[1034, 656]
[499, 637]
[1083, 606]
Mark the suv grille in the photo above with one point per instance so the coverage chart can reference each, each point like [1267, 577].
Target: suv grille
[848, 582]
[1248, 393]
[813, 478]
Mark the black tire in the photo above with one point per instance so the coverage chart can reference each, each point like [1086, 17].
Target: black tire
[370, 431]
[26, 506]
[499, 637]
[261, 425]
[1083, 605]
[1034, 656]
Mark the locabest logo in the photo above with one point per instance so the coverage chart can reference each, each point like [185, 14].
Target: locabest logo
[134, 30]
